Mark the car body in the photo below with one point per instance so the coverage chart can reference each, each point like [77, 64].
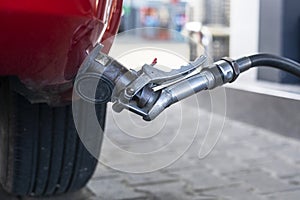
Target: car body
[44, 42]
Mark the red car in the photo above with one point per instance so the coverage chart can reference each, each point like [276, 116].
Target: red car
[42, 44]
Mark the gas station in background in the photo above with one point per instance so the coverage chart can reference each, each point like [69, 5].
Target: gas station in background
[171, 14]
[214, 15]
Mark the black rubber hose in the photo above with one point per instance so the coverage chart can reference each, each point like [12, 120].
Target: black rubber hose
[268, 60]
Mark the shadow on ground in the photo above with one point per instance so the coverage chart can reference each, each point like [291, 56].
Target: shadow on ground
[84, 194]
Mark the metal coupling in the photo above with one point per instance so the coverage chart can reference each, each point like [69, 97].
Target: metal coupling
[229, 68]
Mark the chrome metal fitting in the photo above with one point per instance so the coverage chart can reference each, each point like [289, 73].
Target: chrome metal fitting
[235, 68]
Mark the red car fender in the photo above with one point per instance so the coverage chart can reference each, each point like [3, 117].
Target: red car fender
[43, 42]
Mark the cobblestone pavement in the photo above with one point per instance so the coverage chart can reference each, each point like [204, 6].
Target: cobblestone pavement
[247, 163]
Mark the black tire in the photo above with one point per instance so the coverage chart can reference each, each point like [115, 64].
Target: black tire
[41, 153]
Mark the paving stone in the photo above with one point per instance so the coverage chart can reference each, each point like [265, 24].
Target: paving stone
[228, 145]
[247, 155]
[290, 153]
[262, 182]
[236, 192]
[290, 195]
[84, 194]
[295, 180]
[166, 191]
[210, 197]
[227, 165]
[185, 164]
[103, 172]
[113, 189]
[255, 163]
[148, 179]
[200, 180]
[261, 142]
[280, 168]
[240, 137]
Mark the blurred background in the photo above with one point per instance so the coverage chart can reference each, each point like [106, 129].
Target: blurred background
[225, 27]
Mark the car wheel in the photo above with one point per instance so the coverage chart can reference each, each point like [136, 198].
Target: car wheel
[40, 151]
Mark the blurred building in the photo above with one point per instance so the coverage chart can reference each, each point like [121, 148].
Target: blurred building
[168, 14]
[279, 34]
[214, 17]
[217, 12]
[227, 27]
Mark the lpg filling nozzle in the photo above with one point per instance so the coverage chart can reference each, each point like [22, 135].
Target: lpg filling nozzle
[149, 91]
